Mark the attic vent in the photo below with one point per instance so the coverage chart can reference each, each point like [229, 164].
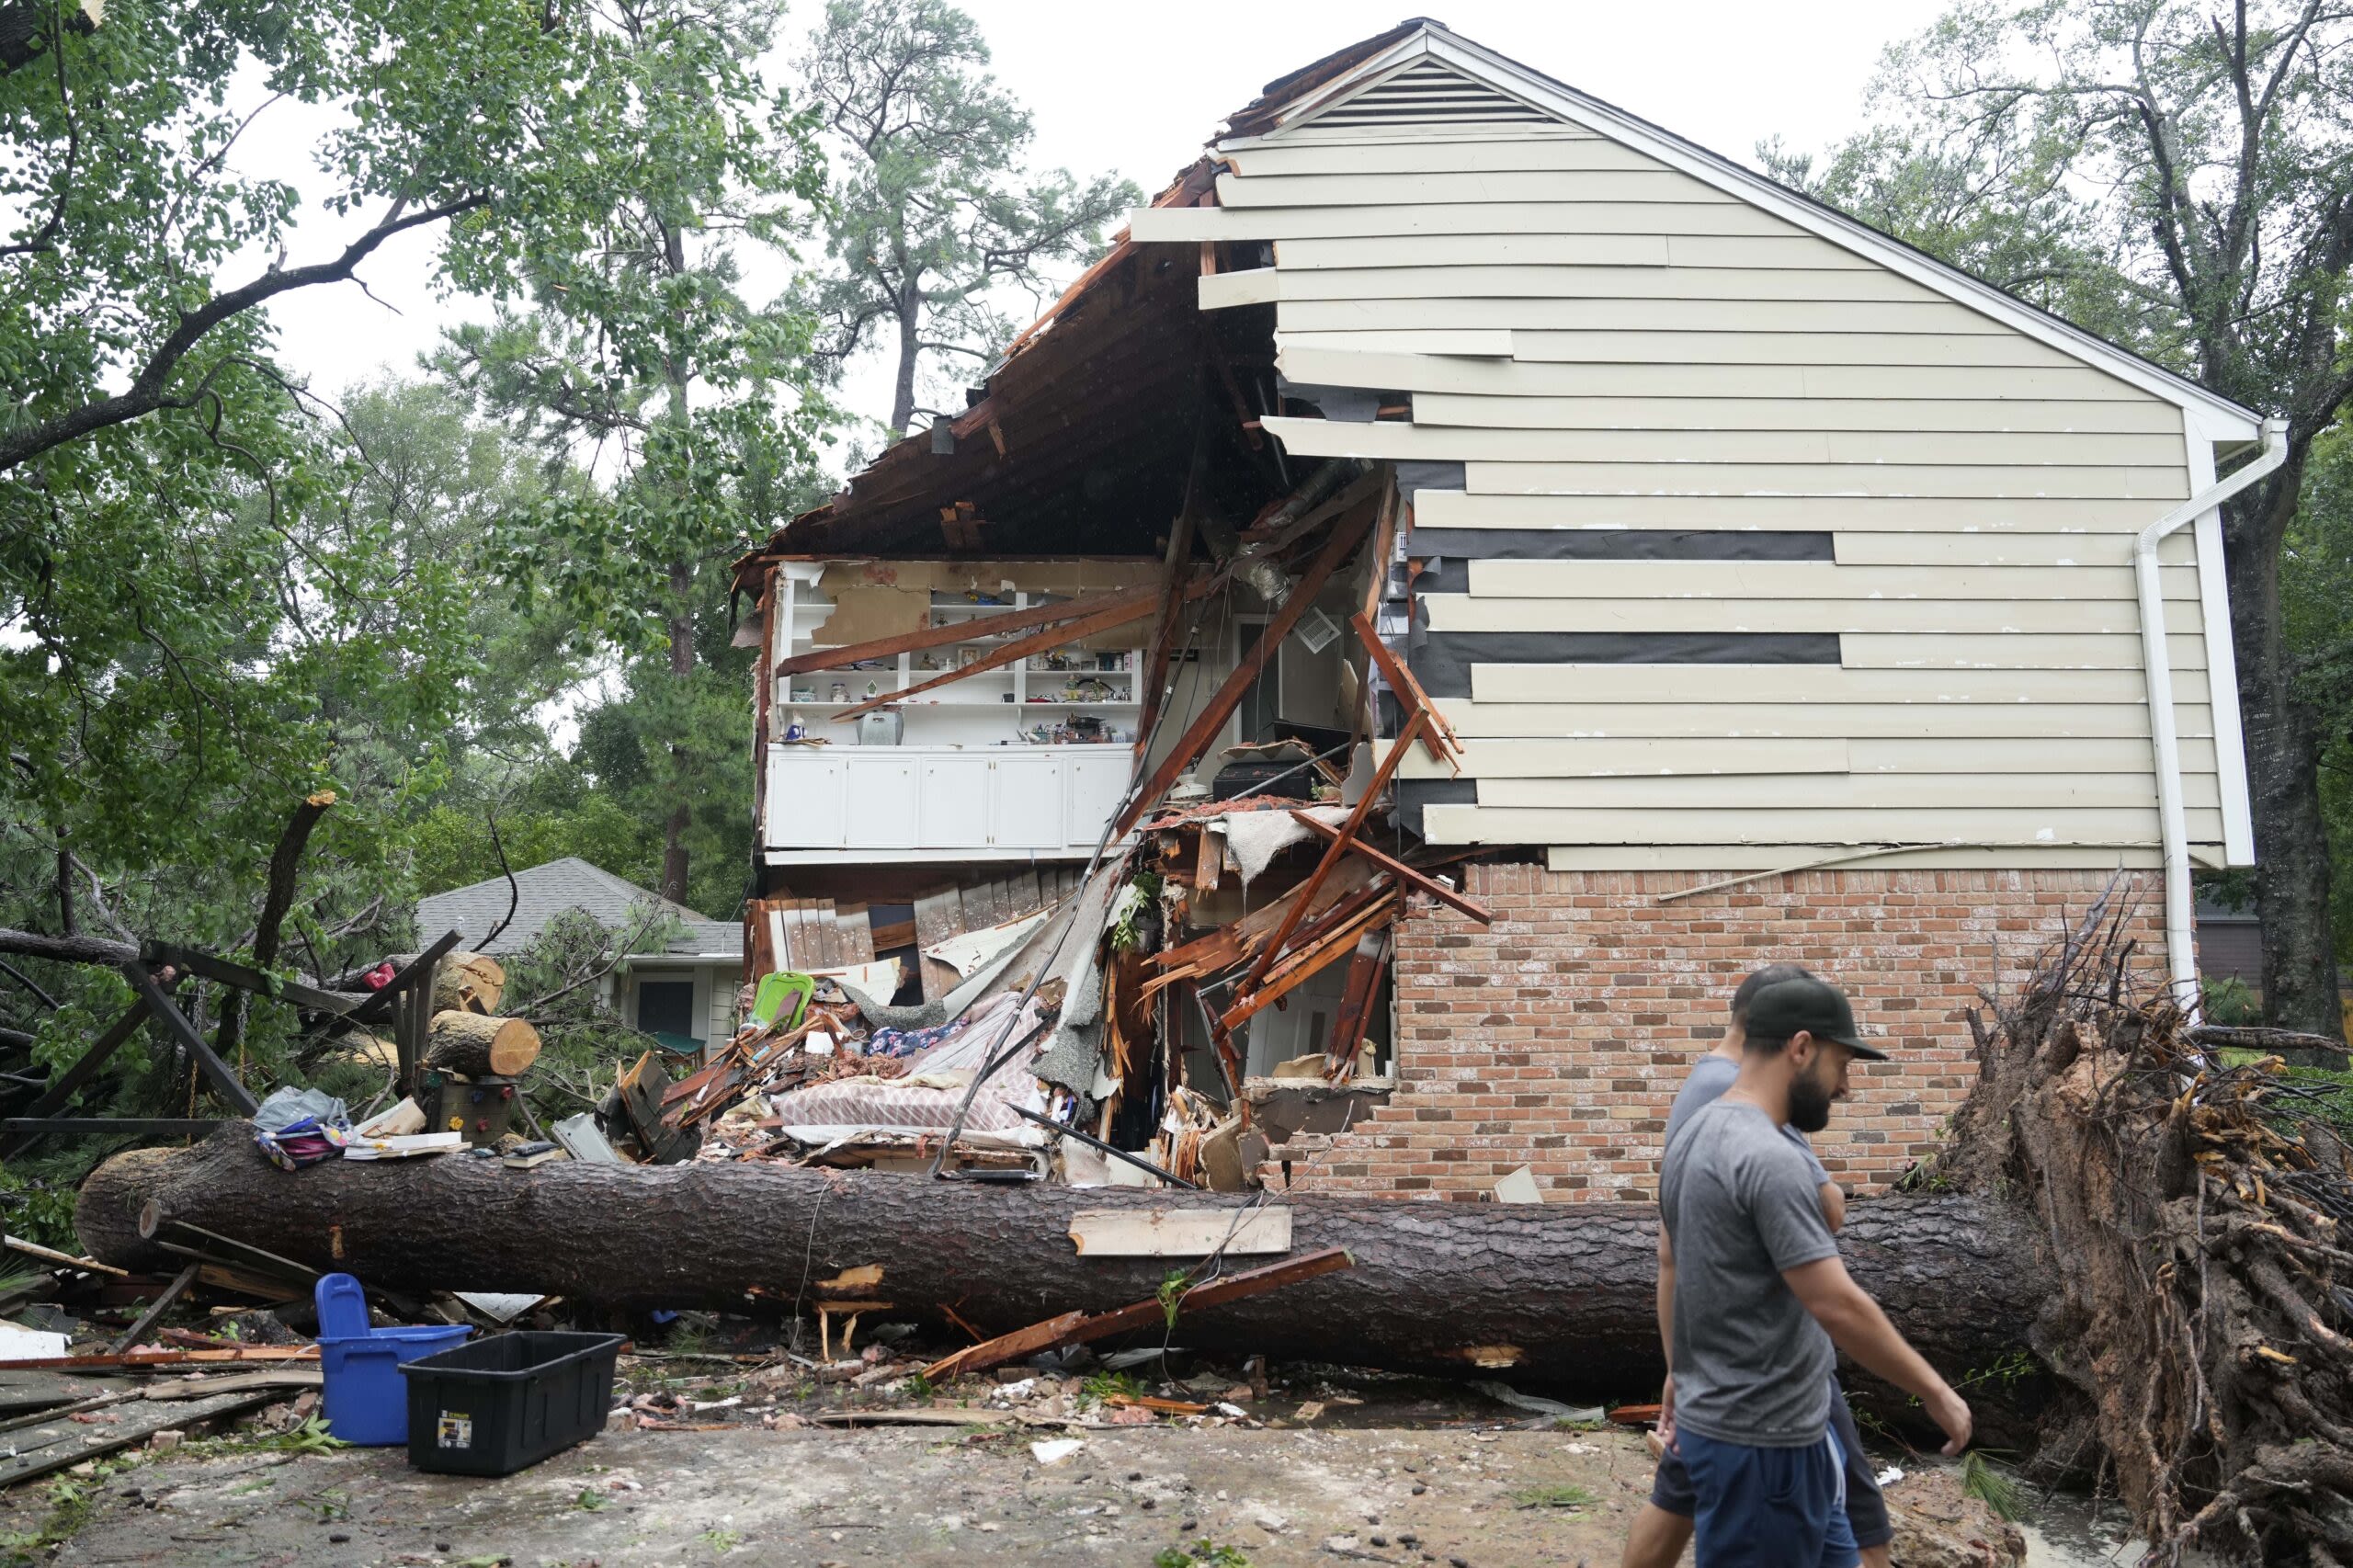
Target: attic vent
[1430, 94]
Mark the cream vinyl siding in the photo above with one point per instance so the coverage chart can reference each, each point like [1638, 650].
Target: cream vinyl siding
[1607, 343]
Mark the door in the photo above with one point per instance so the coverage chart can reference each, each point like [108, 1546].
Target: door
[1096, 785]
[804, 806]
[1029, 813]
[883, 800]
[955, 802]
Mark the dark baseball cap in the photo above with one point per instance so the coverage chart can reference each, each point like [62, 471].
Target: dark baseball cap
[1812, 1004]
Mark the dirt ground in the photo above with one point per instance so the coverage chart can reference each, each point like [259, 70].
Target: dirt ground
[898, 1496]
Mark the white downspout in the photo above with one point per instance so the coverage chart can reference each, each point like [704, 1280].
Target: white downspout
[2181, 942]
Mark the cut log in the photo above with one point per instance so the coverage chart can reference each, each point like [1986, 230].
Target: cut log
[473, 1046]
[469, 983]
[1554, 1292]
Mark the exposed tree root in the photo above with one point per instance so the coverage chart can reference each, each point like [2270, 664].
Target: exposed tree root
[2191, 1214]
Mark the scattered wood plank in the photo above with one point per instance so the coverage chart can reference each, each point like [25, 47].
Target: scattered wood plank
[49, 1254]
[1180, 1233]
[138, 1359]
[1079, 1328]
[66, 1443]
[157, 1309]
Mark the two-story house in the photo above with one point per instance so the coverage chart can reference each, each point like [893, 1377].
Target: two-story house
[1792, 595]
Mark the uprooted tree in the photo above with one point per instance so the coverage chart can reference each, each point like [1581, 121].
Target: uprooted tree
[2154, 1227]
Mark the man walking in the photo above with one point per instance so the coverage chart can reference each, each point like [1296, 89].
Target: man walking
[1662, 1527]
[1757, 1298]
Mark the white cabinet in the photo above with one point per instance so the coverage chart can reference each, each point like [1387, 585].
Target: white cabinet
[905, 803]
[805, 805]
[882, 803]
[956, 801]
[1027, 812]
[1092, 792]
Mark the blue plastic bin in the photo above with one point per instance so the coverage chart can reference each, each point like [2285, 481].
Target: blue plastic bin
[365, 1400]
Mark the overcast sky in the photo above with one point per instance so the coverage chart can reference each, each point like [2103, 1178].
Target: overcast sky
[1138, 91]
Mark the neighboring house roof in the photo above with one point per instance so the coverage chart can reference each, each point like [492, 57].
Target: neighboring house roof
[541, 893]
[1359, 69]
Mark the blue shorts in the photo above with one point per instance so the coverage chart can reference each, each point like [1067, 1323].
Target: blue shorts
[1768, 1507]
[1865, 1509]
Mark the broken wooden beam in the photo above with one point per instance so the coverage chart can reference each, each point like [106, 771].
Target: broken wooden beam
[1079, 1328]
[1409, 875]
[1334, 851]
[1142, 600]
[1346, 533]
[147, 1320]
[1410, 695]
[1021, 648]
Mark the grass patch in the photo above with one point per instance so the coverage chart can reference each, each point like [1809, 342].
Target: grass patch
[72, 1504]
[1097, 1388]
[1208, 1552]
[1562, 1496]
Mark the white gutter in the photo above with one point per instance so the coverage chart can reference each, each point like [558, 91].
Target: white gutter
[2181, 942]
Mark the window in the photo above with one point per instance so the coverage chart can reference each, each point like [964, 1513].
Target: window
[666, 1009]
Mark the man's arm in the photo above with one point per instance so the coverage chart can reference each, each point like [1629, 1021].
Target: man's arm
[1667, 1334]
[1833, 1206]
[1857, 1326]
[1667, 1297]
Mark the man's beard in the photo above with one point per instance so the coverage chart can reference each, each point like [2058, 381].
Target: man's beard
[1809, 1104]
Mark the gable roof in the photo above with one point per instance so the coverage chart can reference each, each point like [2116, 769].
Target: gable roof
[1410, 72]
[541, 893]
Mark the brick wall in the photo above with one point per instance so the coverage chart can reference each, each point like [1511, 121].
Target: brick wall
[1557, 1036]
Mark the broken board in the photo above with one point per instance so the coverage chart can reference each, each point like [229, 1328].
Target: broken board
[26, 1391]
[59, 1444]
[1181, 1232]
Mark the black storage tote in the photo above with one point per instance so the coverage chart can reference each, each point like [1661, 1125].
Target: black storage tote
[502, 1403]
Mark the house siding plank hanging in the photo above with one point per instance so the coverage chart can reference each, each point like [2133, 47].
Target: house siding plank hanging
[1603, 340]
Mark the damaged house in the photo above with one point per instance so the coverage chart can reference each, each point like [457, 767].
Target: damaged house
[1466, 577]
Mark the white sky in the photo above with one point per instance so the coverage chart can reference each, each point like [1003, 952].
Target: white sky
[1140, 98]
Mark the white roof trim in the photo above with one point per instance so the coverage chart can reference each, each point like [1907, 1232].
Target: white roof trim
[2214, 418]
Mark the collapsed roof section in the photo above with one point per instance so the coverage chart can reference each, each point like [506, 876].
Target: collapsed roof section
[1080, 441]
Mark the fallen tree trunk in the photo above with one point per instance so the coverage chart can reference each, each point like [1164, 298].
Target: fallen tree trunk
[1561, 1293]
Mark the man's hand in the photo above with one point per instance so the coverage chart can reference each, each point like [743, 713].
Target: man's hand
[1951, 1412]
[1666, 1413]
[1858, 1327]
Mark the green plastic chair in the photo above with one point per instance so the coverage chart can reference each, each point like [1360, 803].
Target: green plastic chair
[778, 991]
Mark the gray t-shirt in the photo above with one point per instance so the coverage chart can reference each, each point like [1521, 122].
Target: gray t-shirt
[1751, 1364]
[1711, 1076]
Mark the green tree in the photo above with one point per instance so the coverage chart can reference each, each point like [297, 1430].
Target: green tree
[934, 213]
[171, 603]
[641, 357]
[2180, 180]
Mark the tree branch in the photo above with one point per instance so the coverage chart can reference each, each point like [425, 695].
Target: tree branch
[146, 392]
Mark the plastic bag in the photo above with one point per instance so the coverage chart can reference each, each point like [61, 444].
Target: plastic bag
[300, 1127]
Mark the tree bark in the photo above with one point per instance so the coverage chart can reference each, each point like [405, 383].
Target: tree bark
[903, 390]
[1555, 1294]
[473, 1046]
[2291, 873]
[277, 897]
